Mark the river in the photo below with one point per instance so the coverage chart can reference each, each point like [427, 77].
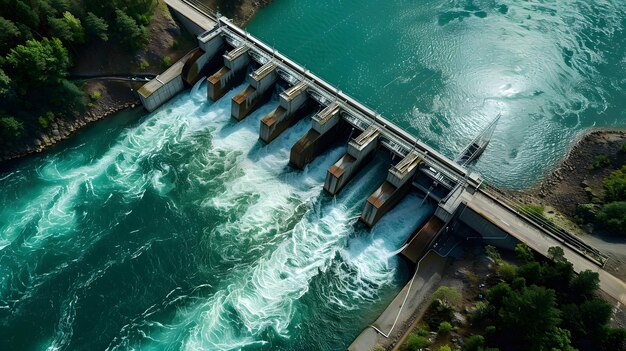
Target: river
[178, 230]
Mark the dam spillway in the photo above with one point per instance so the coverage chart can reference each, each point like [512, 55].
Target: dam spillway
[339, 117]
[446, 182]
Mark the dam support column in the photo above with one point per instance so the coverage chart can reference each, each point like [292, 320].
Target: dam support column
[359, 150]
[327, 127]
[396, 186]
[260, 89]
[206, 58]
[233, 72]
[291, 100]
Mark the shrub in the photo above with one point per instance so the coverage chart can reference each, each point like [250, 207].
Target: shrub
[416, 342]
[524, 253]
[144, 64]
[131, 34]
[43, 122]
[96, 26]
[421, 331]
[474, 343]
[493, 254]
[10, 127]
[37, 62]
[556, 253]
[507, 272]
[613, 217]
[599, 162]
[615, 185]
[447, 295]
[445, 328]
[481, 310]
[445, 348]
[95, 95]
[167, 62]
[175, 45]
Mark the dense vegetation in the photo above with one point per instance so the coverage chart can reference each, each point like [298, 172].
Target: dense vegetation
[609, 212]
[546, 306]
[542, 306]
[38, 39]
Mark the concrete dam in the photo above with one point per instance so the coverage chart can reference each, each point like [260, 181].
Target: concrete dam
[228, 56]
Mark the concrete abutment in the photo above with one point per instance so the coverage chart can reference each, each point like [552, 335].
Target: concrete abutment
[234, 71]
[292, 102]
[259, 89]
[359, 151]
[327, 128]
[389, 194]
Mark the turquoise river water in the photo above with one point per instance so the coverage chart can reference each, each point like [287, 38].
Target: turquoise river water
[178, 230]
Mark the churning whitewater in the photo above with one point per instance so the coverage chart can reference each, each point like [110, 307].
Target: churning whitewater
[183, 231]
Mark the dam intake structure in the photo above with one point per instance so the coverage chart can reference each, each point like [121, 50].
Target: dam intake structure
[232, 56]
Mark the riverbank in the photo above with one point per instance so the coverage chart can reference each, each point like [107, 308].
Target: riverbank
[103, 97]
[168, 43]
[574, 182]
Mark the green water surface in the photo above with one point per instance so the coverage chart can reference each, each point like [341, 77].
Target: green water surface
[179, 230]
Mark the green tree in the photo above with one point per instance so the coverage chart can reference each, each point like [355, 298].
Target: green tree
[38, 62]
[615, 185]
[447, 295]
[5, 84]
[531, 272]
[560, 340]
[445, 328]
[556, 254]
[96, 26]
[137, 8]
[416, 342]
[9, 33]
[473, 343]
[25, 14]
[130, 33]
[497, 294]
[493, 254]
[558, 276]
[507, 272]
[524, 253]
[60, 5]
[594, 315]
[68, 28]
[613, 217]
[11, 128]
[584, 285]
[613, 339]
[531, 314]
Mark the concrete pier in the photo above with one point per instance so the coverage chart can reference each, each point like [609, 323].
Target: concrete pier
[396, 186]
[260, 88]
[327, 128]
[234, 70]
[359, 150]
[291, 101]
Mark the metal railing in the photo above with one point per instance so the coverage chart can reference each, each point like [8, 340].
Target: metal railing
[545, 224]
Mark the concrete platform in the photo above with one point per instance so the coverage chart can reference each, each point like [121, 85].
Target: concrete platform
[425, 282]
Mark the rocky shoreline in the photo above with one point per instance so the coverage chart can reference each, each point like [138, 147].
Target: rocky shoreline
[63, 128]
[572, 182]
